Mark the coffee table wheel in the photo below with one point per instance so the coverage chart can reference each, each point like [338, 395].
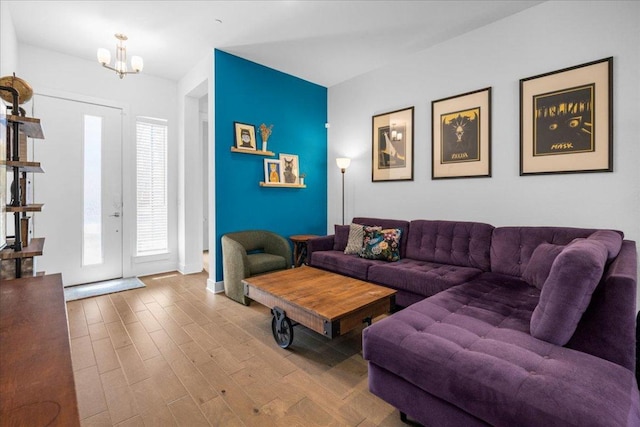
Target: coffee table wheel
[282, 328]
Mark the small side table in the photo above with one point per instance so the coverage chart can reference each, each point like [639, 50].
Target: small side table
[300, 248]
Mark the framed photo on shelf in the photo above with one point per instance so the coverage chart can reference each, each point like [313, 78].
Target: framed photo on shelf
[272, 171]
[566, 120]
[245, 136]
[290, 168]
[392, 146]
[461, 135]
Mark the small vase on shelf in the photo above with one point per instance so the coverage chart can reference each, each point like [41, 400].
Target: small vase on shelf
[265, 133]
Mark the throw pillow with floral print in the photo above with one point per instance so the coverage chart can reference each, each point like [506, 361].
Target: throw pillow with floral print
[381, 244]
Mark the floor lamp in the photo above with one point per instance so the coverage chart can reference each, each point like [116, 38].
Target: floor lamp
[343, 163]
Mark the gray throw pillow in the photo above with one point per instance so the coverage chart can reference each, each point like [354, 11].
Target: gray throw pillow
[354, 242]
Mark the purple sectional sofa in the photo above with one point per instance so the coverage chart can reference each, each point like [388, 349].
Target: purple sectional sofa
[506, 326]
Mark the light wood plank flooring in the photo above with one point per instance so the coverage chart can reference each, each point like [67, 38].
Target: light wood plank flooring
[174, 354]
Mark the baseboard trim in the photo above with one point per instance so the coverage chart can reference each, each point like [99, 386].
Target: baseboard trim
[215, 287]
[190, 268]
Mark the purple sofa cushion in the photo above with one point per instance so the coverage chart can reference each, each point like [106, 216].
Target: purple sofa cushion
[574, 275]
[470, 346]
[341, 263]
[341, 236]
[460, 243]
[539, 265]
[612, 240]
[420, 277]
[512, 247]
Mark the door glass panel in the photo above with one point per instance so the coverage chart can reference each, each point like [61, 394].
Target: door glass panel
[92, 225]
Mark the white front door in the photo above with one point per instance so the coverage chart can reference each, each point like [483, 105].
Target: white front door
[81, 189]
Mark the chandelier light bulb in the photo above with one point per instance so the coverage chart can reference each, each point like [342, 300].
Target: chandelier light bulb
[104, 56]
[136, 63]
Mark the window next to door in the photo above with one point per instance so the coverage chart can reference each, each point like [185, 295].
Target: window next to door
[151, 187]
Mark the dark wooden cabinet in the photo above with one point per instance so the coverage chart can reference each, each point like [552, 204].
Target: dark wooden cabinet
[36, 375]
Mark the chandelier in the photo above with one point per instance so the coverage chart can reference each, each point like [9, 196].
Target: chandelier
[120, 64]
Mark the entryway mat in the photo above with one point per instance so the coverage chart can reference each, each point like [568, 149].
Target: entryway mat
[73, 293]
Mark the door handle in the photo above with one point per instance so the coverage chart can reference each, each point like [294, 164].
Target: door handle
[116, 214]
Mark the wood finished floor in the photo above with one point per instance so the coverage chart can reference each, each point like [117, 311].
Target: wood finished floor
[175, 354]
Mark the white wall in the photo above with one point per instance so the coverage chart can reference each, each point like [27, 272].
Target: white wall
[8, 43]
[142, 95]
[191, 88]
[548, 37]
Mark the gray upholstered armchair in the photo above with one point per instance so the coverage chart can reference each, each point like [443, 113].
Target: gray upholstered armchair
[249, 253]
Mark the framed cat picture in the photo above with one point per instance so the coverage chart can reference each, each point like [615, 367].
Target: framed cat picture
[290, 168]
[566, 120]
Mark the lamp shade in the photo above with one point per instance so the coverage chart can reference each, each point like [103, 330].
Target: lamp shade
[104, 56]
[343, 162]
[137, 63]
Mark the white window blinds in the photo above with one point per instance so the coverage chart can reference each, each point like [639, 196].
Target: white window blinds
[151, 184]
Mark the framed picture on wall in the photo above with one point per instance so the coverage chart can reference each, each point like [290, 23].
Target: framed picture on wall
[245, 136]
[566, 120]
[461, 135]
[290, 168]
[272, 171]
[392, 146]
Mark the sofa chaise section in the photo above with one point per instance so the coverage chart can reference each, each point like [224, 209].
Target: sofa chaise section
[470, 351]
[473, 354]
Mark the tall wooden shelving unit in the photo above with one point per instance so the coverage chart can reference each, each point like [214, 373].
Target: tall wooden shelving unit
[18, 255]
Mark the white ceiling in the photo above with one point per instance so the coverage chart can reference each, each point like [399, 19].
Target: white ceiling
[325, 42]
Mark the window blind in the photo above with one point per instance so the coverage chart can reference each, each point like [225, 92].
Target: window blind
[151, 184]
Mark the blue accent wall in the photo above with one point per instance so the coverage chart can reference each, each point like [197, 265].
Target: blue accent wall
[250, 93]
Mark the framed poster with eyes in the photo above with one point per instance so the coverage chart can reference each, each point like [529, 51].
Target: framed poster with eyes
[566, 120]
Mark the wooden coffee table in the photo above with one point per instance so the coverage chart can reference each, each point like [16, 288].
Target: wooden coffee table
[325, 302]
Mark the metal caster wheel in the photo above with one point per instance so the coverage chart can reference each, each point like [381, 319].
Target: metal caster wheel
[282, 328]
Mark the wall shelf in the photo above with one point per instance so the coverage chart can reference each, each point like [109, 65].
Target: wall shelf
[30, 126]
[269, 185]
[24, 166]
[36, 207]
[256, 152]
[34, 249]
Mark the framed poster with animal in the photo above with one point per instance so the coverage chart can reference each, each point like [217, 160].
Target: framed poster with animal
[290, 168]
[461, 135]
[566, 120]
